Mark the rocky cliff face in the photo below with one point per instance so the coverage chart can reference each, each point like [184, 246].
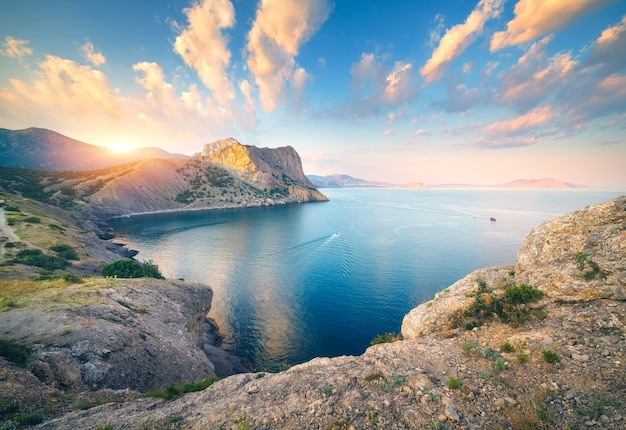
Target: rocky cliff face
[536, 360]
[268, 168]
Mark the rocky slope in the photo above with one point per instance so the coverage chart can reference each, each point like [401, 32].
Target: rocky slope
[487, 352]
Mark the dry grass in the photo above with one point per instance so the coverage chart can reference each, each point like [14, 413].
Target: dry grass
[23, 293]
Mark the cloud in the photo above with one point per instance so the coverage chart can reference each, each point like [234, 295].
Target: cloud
[15, 48]
[64, 85]
[460, 98]
[388, 133]
[95, 58]
[456, 40]
[524, 130]
[609, 48]
[535, 78]
[78, 100]
[203, 47]
[522, 123]
[279, 30]
[534, 18]
[375, 86]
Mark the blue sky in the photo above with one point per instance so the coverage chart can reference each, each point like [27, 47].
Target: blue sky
[401, 91]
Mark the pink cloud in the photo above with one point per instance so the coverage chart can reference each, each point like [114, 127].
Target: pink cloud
[279, 30]
[456, 40]
[534, 77]
[203, 47]
[609, 48]
[523, 123]
[534, 18]
[15, 48]
[95, 58]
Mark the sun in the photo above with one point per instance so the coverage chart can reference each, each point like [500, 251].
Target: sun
[119, 147]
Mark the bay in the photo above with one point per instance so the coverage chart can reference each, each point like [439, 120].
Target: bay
[322, 279]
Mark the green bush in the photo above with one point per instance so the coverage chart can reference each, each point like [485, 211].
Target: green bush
[550, 356]
[34, 257]
[386, 338]
[132, 269]
[173, 391]
[521, 294]
[453, 383]
[507, 347]
[65, 251]
[15, 352]
[32, 219]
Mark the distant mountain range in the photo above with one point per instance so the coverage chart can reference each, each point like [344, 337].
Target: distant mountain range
[345, 181]
[41, 149]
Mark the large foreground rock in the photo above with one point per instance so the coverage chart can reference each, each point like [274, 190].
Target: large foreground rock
[112, 333]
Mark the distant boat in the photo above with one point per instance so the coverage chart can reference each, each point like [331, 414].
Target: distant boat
[492, 219]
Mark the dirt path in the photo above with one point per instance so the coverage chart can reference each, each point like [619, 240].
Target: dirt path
[6, 231]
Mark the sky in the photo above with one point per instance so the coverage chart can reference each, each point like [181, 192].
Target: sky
[451, 91]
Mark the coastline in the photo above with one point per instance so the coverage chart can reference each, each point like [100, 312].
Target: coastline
[211, 208]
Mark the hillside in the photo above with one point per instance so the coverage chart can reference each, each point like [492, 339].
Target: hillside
[236, 176]
[41, 149]
[539, 344]
[345, 181]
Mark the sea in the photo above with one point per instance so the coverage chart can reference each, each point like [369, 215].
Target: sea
[323, 279]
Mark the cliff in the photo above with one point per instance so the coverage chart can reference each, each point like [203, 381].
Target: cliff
[536, 345]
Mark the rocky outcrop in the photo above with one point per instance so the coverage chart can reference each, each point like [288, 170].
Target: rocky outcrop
[579, 256]
[554, 362]
[136, 333]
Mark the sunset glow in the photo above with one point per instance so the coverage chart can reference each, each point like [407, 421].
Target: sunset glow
[482, 91]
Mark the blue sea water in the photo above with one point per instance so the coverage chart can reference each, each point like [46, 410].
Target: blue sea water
[322, 279]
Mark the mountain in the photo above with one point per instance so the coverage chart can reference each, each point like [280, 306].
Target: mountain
[41, 149]
[225, 174]
[345, 181]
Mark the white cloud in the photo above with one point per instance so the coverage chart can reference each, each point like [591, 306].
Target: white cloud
[456, 40]
[534, 18]
[203, 47]
[95, 58]
[15, 48]
[279, 30]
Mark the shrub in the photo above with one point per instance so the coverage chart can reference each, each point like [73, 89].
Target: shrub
[550, 356]
[65, 251]
[506, 347]
[34, 257]
[131, 269]
[173, 391]
[522, 294]
[521, 359]
[15, 352]
[32, 219]
[453, 383]
[386, 338]
[71, 278]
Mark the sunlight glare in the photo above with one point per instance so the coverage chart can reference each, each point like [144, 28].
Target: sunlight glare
[120, 147]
